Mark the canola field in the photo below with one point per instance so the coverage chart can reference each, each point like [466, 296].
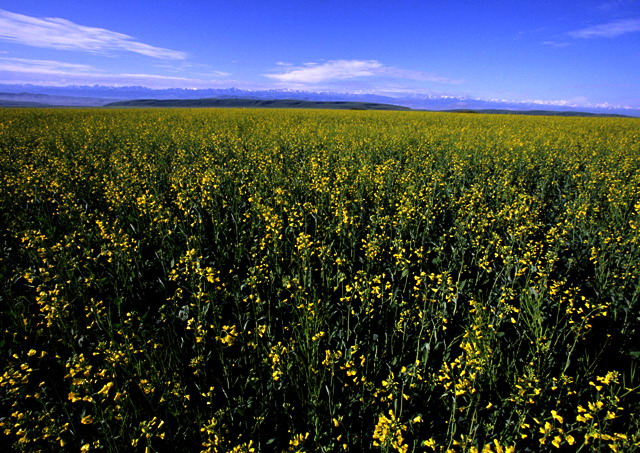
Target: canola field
[320, 281]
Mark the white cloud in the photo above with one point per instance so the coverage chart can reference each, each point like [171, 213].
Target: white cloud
[310, 73]
[59, 73]
[331, 70]
[219, 74]
[192, 70]
[56, 33]
[608, 30]
[614, 4]
[414, 75]
[42, 66]
[556, 44]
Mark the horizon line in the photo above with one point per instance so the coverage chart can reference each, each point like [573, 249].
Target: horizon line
[400, 95]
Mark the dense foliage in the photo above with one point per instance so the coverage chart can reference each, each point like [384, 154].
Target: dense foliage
[252, 280]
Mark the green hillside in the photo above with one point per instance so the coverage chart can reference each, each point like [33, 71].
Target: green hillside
[256, 103]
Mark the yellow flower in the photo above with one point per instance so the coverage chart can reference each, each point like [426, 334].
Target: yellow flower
[546, 429]
[105, 389]
[87, 420]
[431, 443]
[555, 415]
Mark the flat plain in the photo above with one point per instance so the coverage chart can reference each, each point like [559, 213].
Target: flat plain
[278, 280]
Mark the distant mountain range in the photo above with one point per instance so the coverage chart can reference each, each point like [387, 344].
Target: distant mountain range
[538, 113]
[96, 96]
[39, 99]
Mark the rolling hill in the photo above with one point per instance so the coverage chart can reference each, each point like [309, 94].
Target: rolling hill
[256, 103]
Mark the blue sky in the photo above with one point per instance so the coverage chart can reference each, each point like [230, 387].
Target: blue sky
[580, 52]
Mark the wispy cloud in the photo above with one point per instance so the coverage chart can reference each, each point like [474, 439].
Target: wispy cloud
[608, 30]
[556, 43]
[43, 66]
[59, 73]
[390, 71]
[331, 70]
[193, 69]
[614, 4]
[57, 33]
[313, 73]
